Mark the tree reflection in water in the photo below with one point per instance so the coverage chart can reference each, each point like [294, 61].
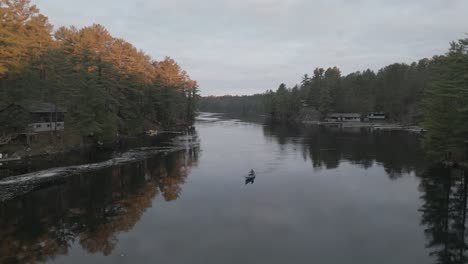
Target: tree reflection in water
[398, 151]
[444, 189]
[90, 208]
[444, 213]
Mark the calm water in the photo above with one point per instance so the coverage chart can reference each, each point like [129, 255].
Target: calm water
[321, 195]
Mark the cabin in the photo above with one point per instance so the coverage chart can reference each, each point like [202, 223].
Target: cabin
[304, 103]
[373, 116]
[32, 117]
[344, 117]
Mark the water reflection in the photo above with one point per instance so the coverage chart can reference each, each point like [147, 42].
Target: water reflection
[444, 190]
[316, 182]
[444, 213]
[89, 209]
[397, 151]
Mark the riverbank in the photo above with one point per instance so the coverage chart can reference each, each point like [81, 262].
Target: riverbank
[371, 125]
[17, 185]
[42, 144]
[48, 144]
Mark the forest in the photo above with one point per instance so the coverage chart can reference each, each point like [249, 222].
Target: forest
[244, 104]
[396, 89]
[107, 86]
[432, 93]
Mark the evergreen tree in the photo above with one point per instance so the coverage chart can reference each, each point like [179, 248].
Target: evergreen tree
[107, 85]
[446, 107]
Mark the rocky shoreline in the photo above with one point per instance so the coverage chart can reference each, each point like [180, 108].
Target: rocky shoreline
[14, 186]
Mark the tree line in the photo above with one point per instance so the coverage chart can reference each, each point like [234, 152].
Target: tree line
[243, 105]
[107, 85]
[446, 103]
[396, 89]
[432, 92]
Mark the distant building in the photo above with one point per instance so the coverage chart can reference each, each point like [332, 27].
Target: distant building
[39, 116]
[376, 116]
[344, 117]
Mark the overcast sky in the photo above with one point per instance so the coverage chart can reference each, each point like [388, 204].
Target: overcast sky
[249, 46]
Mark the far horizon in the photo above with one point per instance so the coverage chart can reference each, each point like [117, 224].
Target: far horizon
[248, 47]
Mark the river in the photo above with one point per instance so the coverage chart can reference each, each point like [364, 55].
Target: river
[320, 195]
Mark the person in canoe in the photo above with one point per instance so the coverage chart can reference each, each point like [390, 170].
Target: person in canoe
[250, 178]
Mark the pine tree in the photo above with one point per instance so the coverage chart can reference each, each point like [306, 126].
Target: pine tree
[24, 35]
[446, 102]
[330, 86]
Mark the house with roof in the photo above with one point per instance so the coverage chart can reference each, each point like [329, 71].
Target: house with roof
[344, 117]
[32, 116]
[373, 116]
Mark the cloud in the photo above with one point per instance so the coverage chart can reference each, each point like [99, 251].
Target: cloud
[248, 46]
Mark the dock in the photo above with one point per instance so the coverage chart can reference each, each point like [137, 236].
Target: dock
[10, 159]
[372, 126]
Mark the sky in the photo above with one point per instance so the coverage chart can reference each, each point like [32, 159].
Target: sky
[250, 46]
